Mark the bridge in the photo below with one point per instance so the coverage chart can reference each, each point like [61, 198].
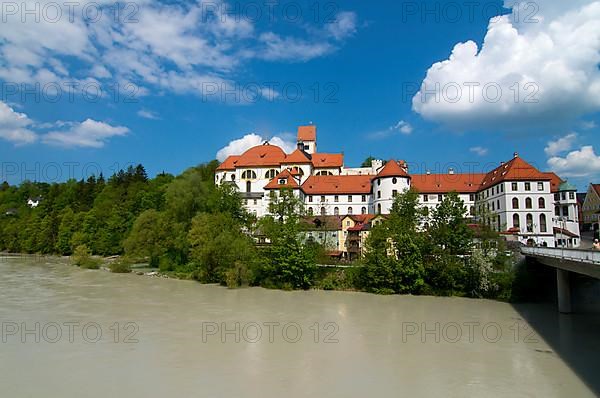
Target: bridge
[584, 262]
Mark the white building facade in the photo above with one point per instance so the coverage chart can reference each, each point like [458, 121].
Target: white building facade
[516, 199]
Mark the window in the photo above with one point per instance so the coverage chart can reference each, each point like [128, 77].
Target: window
[565, 211]
[271, 174]
[571, 195]
[557, 211]
[323, 211]
[379, 208]
[556, 197]
[472, 198]
[425, 198]
[440, 197]
[336, 211]
[516, 221]
[248, 186]
[364, 198]
[336, 198]
[394, 193]
[233, 177]
[515, 186]
[472, 210]
[378, 194]
[379, 181]
[563, 196]
[349, 210]
[492, 191]
[306, 147]
[515, 203]
[282, 181]
[363, 210]
[394, 180]
[324, 173]
[543, 224]
[540, 186]
[249, 175]
[349, 198]
[529, 223]
[310, 211]
[310, 199]
[528, 186]
[528, 203]
[498, 205]
[255, 202]
[322, 198]
[542, 203]
[493, 206]
[501, 187]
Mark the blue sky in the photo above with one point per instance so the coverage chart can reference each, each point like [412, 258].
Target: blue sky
[171, 62]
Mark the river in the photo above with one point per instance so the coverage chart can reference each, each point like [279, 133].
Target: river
[68, 332]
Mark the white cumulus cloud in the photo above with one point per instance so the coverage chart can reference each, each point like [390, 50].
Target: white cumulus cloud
[581, 163]
[343, 26]
[561, 145]
[534, 68]
[146, 114]
[15, 126]
[87, 134]
[239, 146]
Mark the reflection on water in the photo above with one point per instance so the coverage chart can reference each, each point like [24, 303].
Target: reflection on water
[103, 335]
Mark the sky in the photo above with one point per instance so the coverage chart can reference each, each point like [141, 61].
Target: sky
[91, 87]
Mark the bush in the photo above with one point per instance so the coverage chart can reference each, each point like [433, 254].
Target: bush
[120, 266]
[238, 275]
[82, 257]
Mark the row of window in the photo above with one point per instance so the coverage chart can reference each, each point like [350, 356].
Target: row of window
[514, 186]
[336, 211]
[336, 198]
[529, 203]
[563, 196]
[543, 222]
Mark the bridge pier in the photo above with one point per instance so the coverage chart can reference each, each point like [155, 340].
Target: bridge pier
[564, 291]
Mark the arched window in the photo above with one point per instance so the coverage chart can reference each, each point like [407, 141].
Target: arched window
[542, 203]
[543, 223]
[248, 186]
[350, 210]
[516, 221]
[310, 211]
[249, 175]
[515, 203]
[394, 180]
[529, 223]
[233, 177]
[528, 203]
[472, 211]
[363, 210]
[379, 208]
[323, 211]
[336, 211]
[271, 174]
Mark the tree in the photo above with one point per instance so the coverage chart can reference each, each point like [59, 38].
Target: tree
[368, 162]
[217, 245]
[290, 264]
[151, 236]
[449, 231]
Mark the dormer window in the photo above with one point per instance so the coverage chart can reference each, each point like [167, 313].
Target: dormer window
[282, 181]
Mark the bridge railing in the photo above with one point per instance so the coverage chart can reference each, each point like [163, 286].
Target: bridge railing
[584, 256]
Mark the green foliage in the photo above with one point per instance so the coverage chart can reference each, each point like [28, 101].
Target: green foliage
[82, 257]
[290, 264]
[120, 266]
[449, 229]
[218, 245]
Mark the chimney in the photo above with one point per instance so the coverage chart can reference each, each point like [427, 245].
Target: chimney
[451, 171]
[501, 163]
[516, 154]
[428, 172]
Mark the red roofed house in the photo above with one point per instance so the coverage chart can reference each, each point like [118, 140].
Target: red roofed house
[531, 206]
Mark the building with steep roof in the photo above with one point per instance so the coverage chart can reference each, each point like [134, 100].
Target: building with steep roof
[515, 198]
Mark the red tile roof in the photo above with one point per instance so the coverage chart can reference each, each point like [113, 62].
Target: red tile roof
[555, 181]
[596, 188]
[229, 163]
[290, 181]
[327, 160]
[307, 133]
[262, 155]
[565, 232]
[297, 157]
[443, 183]
[329, 185]
[393, 168]
[515, 170]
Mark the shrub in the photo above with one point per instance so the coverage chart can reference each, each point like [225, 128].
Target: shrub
[82, 257]
[120, 266]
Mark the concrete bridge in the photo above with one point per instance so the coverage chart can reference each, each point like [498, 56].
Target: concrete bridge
[585, 262]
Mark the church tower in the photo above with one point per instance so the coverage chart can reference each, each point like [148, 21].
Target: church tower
[307, 139]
